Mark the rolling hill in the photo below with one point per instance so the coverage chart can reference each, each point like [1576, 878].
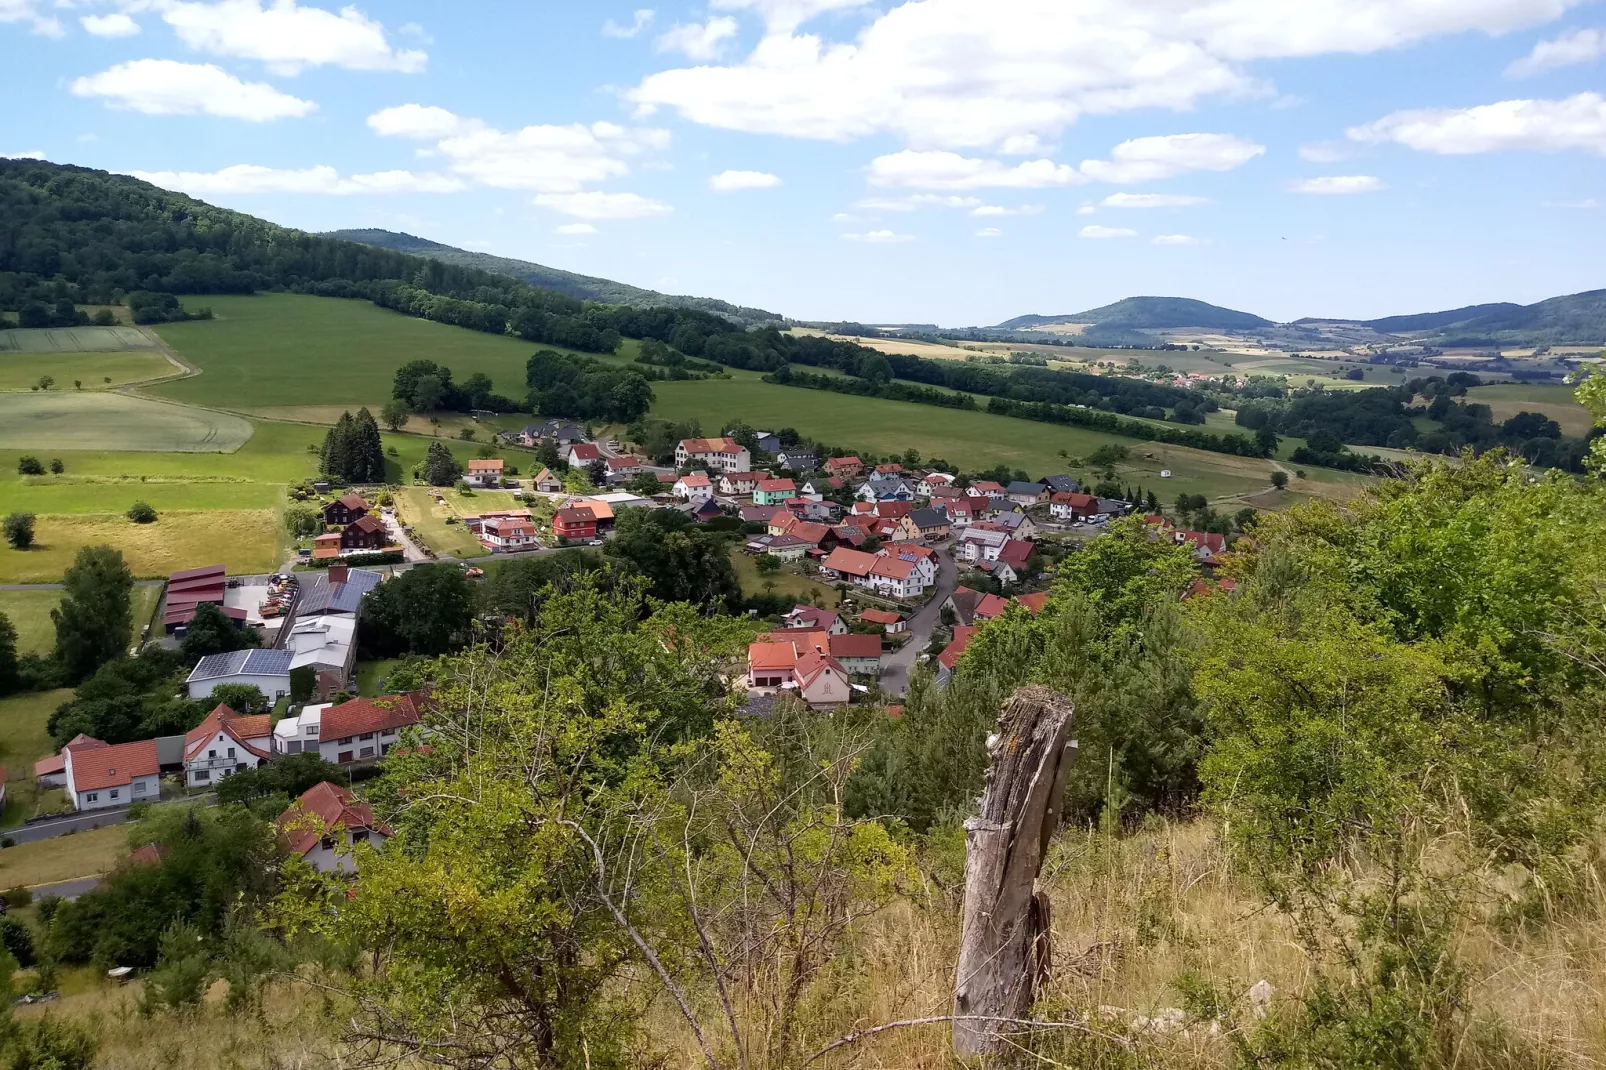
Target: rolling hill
[1150, 313]
[584, 287]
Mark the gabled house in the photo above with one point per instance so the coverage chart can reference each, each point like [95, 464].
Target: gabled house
[1010, 565]
[701, 512]
[225, 743]
[1026, 494]
[344, 509]
[51, 772]
[929, 524]
[980, 544]
[815, 619]
[583, 453]
[694, 487]
[719, 454]
[985, 488]
[574, 524]
[897, 578]
[784, 547]
[767, 441]
[99, 778]
[932, 482]
[1061, 484]
[923, 558]
[328, 645]
[1206, 545]
[484, 472]
[859, 653]
[891, 468]
[548, 483]
[1073, 506]
[621, 469]
[502, 535]
[358, 732]
[325, 824]
[774, 491]
[559, 432]
[1019, 525]
[761, 514]
[892, 510]
[266, 670]
[891, 622]
[365, 533]
[948, 660]
[844, 467]
[737, 484]
[797, 460]
[775, 665]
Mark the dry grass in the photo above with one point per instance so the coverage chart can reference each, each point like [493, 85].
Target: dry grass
[245, 540]
[83, 854]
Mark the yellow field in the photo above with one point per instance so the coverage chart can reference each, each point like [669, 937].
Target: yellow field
[1553, 402]
[83, 854]
[21, 371]
[245, 541]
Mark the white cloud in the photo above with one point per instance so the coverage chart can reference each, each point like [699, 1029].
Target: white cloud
[116, 24]
[250, 178]
[949, 170]
[699, 41]
[1337, 185]
[29, 11]
[1326, 151]
[1087, 209]
[1578, 122]
[1150, 159]
[999, 210]
[167, 87]
[1570, 49]
[733, 181]
[1096, 231]
[1587, 203]
[1173, 239]
[1152, 200]
[289, 38]
[592, 204]
[575, 229]
[989, 232]
[880, 237]
[844, 217]
[939, 75]
[545, 159]
[29, 154]
[643, 19]
[916, 200]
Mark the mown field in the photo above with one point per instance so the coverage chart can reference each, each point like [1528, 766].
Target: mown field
[74, 339]
[787, 582]
[1555, 402]
[29, 613]
[416, 507]
[23, 736]
[79, 420]
[245, 541]
[83, 854]
[95, 371]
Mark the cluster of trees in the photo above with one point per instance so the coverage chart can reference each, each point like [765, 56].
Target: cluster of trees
[441, 468]
[1263, 444]
[562, 384]
[657, 354]
[425, 386]
[147, 307]
[785, 375]
[352, 449]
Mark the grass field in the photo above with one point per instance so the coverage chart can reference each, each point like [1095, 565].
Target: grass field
[29, 613]
[23, 738]
[275, 350]
[787, 582]
[96, 420]
[1555, 402]
[83, 854]
[74, 340]
[97, 371]
[245, 541]
[417, 508]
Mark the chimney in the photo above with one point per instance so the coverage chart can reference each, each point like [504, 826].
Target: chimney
[337, 573]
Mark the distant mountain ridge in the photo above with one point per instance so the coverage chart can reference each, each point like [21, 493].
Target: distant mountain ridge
[1150, 313]
[584, 287]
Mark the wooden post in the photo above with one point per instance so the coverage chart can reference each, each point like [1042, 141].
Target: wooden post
[1004, 952]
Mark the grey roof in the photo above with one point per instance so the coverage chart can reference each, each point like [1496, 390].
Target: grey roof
[170, 750]
[1062, 484]
[1112, 505]
[1011, 520]
[243, 663]
[929, 518]
[1025, 488]
[325, 597]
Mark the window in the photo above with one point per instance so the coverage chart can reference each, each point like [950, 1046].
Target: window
[202, 774]
[139, 787]
[293, 747]
[231, 752]
[343, 758]
[211, 754]
[366, 752]
[343, 742]
[366, 735]
[93, 796]
[311, 730]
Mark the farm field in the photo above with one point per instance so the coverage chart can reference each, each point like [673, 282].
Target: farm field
[97, 371]
[23, 737]
[29, 613]
[264, 353]
[83, 854]
[245, 541]
[96, 420]
[74, 340]
[786, 582]
[1505, 400]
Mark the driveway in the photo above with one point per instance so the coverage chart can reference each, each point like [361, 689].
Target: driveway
[896, 667]
[411, 552]
[68, 890]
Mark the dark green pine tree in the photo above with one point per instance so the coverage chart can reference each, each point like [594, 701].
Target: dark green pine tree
[337, 448]
[368, 451]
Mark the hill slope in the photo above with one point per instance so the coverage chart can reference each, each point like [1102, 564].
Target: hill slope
[585, 287]
[1151, 313]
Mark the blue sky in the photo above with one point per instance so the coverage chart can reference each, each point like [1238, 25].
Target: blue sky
[949, 161]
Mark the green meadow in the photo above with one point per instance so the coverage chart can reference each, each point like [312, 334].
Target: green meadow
[1557, 403]
[96, 371]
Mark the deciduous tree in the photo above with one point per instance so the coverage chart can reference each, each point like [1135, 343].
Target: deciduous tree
[94, 623]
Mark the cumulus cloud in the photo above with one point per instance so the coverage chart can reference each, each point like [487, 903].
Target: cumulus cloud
[643, 18]
[699, 41]
[1095, 231]
[593, 204]
[1335, 185]
[289, 38]
[1578, 122]
[989, 232]
[880, 237]
[419, 121]
[1152, 200]
[936, 75]
[1145, 159]
[733, 181]
[1150, 159]
[949, 170]
[574, 229]
[1173, 239]
[998, 210]
[167, 87]
[29, 11]
[250, 178]
[1568, 50]
[28, 154]
[116, 24]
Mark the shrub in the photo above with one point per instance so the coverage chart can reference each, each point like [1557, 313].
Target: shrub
[142, 513]
[19, 530]
[29, 466]
[56, 466]
[17, 897]
[17, 939]
[53, 1043]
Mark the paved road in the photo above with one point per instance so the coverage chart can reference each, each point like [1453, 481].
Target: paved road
[411, 553]
[93, 819]
[896, 667]
[68, 890]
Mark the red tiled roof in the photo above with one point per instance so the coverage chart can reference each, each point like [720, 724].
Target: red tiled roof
[151, 854]
[881, 616]
[811, 665]
[711, 445]
[854, 645]
[1015, 553]
[223, 719]
[1076, 501]
[95, 768]
[950, 654]
[893, 510]
[809, 532]
[362, 715]
[370, 523]
[767, 654]
[893, 568]
[852, 562]
[482, 465]
[585, 451]
[351, 501]
[695, 479]
[1034, 602]
[322, 809]
[990, 606]
[775, 486]
[575, 515]
[205, 571]
[57, 763]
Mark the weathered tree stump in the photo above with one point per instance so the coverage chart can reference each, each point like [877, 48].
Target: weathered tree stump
[1004, 952]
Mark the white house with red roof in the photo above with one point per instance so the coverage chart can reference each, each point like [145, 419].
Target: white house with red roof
[583, 453]
[501, 535]
[99, 778]
[484, 472]
[720, 454]
[51, 772]
[799, 663]
[326, 824]
[694, 487]
[226, 743]
[353, 733]
[737, 484]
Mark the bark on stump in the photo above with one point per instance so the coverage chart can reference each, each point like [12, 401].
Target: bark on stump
[1004, 949]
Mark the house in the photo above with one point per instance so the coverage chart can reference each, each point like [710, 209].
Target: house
[761, 514]
[767, 441]
[897, 578]
[602, 509]
[961, 510]
[886, 489]
[583, 453]
[1026, 493]
[814, 619]
[225, 743]
[719, 454]
[852, 565]
[1072, 506]
[559, 432]
[892, 468]
[547, 483]
[266, 670]
[1019, 525]
[344, 510]
[1114, 507]
[621, 469]
[848, 535]
[358, 732]
[695, 487]
[51, 772]
[985, 488]
[328, 645]
[574, 524]
[948, 660]
[797, 460]
[701, 512]
[1060, 484]
[502, 535]
[1206, 545]
[737, 484]
[980, 544]
[860, 654]
[1010, 565]
[973, 607]
[326, 547]
[891, 621]
[774, 491]
[780, 662]
[892, 510]
[843, 467]
[99, 778]
[785, 547]
[484, 472]
[820, 486]
[186, 591]
[337, 590]
[930, 524]
[923, 558]
[325, 824]
[365, 533]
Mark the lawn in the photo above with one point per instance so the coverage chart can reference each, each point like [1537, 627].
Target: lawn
[97, 420]
[23, 739]
[372, 674]
[29, 613]
[417, 508]
[97, 371]
[788, 582]
[275, 350]
[1554, 402]
[245, 541]
[83, 854]
[74, 340]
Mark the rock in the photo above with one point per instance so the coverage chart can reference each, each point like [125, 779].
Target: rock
[1260, 997]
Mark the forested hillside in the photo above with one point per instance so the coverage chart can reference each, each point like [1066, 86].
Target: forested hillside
[1151, 313]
